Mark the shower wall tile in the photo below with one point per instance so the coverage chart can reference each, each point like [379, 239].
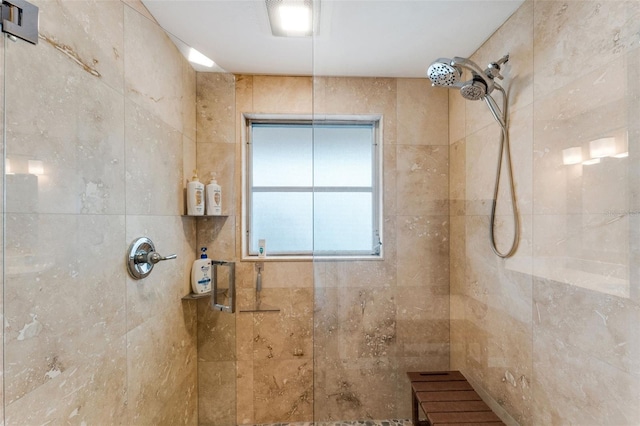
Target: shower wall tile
[583, 332]
[83, 342]
[423, 180]
[286, 334]
[457, 175]
[162, 368]
[423, 253]
[549, 334]
[218, 235]
[344, 385]
[80, 145]
[188, 100]
[514, 37]
[216, 393]
[283, 390]
[87, 35]
[282, 95]
[216, 334]
[390, 180]
[457, 116]
[89, 390]
[152, 147]
[343, 313]
[152, 70]
[218, 160]
[573, 39]
[340, 95]
[55, 303]
[215, 103]
[244, 395]
[422, 121]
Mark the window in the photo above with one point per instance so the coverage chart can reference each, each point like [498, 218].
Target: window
[313, 186]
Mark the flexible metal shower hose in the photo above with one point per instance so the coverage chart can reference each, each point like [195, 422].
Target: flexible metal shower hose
[504, 148]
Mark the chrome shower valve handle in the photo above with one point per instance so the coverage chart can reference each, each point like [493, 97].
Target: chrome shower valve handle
[143, 256]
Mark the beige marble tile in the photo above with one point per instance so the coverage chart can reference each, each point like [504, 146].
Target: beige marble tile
[153, 149]
[287, 275]
[483, 153]
[390, 179]
[162, 368]
[338, 95]
[282, 95]
[287, 334]
[154, 73]
[140, 8]
[216, 334]
[457, 178]
[87, 35]
[572, 39]
[161, 291]
[457, 116]
[244, 398]
[217, 393]
[90, 390]
[283, 390]
[217, 234]
[423, 180]
[457, 255]
[597, 327]
[423, 253]
[58, 312]
[189, 101]
[341, 393]
[216, 106]
[81, 146]
[422, 113]
[514, 37]
[422, 323]
[570, 383]
[219, 160]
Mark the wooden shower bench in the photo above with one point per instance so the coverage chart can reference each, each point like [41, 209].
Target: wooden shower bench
[447, 399]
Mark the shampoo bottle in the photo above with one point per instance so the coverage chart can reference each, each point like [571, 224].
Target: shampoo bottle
[195, 196]
[201, 274]
[214, 198]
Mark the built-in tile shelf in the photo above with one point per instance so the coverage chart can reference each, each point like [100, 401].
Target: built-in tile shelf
[194, 296]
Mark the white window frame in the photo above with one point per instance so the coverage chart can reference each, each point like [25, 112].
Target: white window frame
[377, 180]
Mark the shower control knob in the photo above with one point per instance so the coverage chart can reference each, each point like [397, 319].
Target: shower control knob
[142, 257]
[155, 257]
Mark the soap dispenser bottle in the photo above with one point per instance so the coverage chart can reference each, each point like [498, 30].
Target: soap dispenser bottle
[195, 196]
[214, 198]
[201, 274]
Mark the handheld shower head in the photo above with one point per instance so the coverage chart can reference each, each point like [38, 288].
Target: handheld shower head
[442, 73]
[474, 89]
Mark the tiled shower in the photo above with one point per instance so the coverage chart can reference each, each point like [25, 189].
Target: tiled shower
[112, 120]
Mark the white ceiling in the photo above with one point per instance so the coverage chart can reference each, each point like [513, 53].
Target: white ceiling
[365, 38]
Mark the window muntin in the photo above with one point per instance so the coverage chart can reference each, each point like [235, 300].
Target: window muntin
[313, 188]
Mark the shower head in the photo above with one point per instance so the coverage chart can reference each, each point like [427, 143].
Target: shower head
[474, 89]
[446, 72]
[443, 73]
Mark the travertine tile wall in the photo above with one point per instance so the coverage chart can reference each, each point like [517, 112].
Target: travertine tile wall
[551, 335]
[107, 103]
[353, 325]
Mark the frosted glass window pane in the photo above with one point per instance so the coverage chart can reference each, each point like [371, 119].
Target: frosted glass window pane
[284, 220]
[282, 155]
[342, 155]
[342, 221]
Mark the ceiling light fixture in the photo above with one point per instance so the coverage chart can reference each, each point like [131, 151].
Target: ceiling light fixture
[293, 18]
[198, 58]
